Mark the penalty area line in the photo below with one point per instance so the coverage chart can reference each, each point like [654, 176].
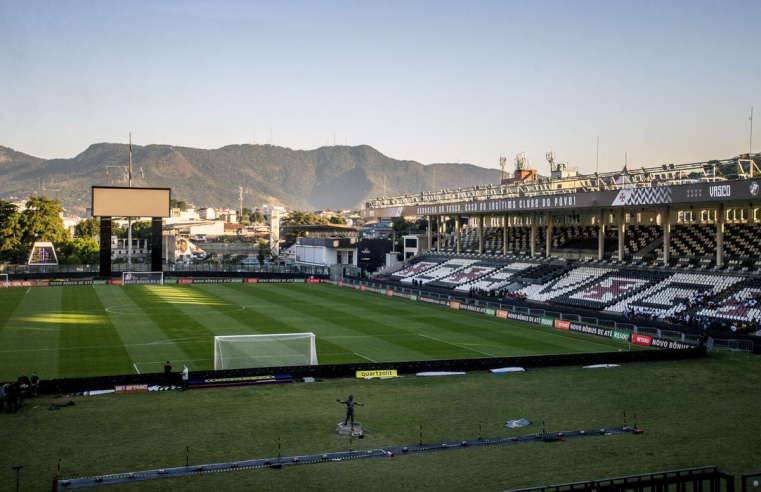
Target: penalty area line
[135, 366]
[368, 358]
[456, 345]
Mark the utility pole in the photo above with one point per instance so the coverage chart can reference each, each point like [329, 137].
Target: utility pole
[240, 204]
[129, 219]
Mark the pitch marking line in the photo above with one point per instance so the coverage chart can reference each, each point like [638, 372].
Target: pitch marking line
[136, 369]
[456, 345]
[368, 358]
[515, 327]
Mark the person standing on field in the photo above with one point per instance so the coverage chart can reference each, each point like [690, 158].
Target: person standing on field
[168, 373]
[184, 377]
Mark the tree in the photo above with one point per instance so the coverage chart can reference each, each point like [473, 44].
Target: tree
[73, 260]
[41, 221]
[10, 231]
[88, 228]
[337, 220]
[264, 252]
[298, 217]
[402, 227]
[245, 216]
[87, 249]
[141, 230]
[257, 217]
[178, 204]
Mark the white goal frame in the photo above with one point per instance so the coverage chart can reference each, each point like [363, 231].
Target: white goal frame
[128, 278]
[218, 359]
[4, 282]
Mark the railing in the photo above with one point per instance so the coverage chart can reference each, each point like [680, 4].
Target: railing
[168, 268]
[708, 478]
[731, 345]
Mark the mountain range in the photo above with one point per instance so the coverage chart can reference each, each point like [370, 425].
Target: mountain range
[337, 177]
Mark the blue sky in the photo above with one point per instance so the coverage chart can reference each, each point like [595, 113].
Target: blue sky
[438, 81]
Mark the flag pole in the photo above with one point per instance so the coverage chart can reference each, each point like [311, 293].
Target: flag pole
[129, 219]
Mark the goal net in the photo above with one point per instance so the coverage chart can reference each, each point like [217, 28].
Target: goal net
[244, 351]
[4, 280]
[135, 278]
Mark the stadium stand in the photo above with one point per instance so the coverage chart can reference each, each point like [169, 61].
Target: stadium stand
[497, 279]
[441, 270]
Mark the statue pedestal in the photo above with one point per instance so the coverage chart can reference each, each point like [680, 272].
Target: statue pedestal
[346, 430]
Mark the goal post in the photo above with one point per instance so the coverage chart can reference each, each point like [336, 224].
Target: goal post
[246, 351]
[4, 280]
[138, 278]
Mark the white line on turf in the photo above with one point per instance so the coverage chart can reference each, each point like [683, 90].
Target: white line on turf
[456, 345]
[135, 366]
[512, 326]
[27, 291]
[368, 358]
[372, 336]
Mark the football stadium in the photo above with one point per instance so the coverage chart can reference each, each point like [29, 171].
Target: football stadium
[587, 331]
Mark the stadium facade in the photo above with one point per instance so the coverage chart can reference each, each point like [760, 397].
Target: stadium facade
[714, 192]
[674, 243]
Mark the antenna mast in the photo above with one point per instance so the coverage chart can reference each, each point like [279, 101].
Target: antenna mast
[597, 164]
[750, 148]
[502, 162]
[129, 219]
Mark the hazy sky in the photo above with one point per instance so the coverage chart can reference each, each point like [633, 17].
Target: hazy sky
[432, 81]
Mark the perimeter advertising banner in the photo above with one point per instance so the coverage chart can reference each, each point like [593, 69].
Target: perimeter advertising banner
[474, 309]
[432, 300]
[592, 330]
[54, 283]
[131, 388]
[641, 339]
[388, 373]
[525, 317]
[27, 283]
[621, 335]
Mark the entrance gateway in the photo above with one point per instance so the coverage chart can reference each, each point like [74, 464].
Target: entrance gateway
[109, 202]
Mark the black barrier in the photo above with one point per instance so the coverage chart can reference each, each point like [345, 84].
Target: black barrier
[74, 385]
[708, 478]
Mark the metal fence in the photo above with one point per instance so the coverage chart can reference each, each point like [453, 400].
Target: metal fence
[732, 345]
[751, 482]
[708, 478]
[168, 268]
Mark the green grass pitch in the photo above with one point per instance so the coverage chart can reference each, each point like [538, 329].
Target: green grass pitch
[695, 412]
[106, 330]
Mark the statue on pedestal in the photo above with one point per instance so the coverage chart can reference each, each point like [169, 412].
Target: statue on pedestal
[350, 409]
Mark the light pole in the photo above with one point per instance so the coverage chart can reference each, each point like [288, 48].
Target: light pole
[18, 469]
[127, 170]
